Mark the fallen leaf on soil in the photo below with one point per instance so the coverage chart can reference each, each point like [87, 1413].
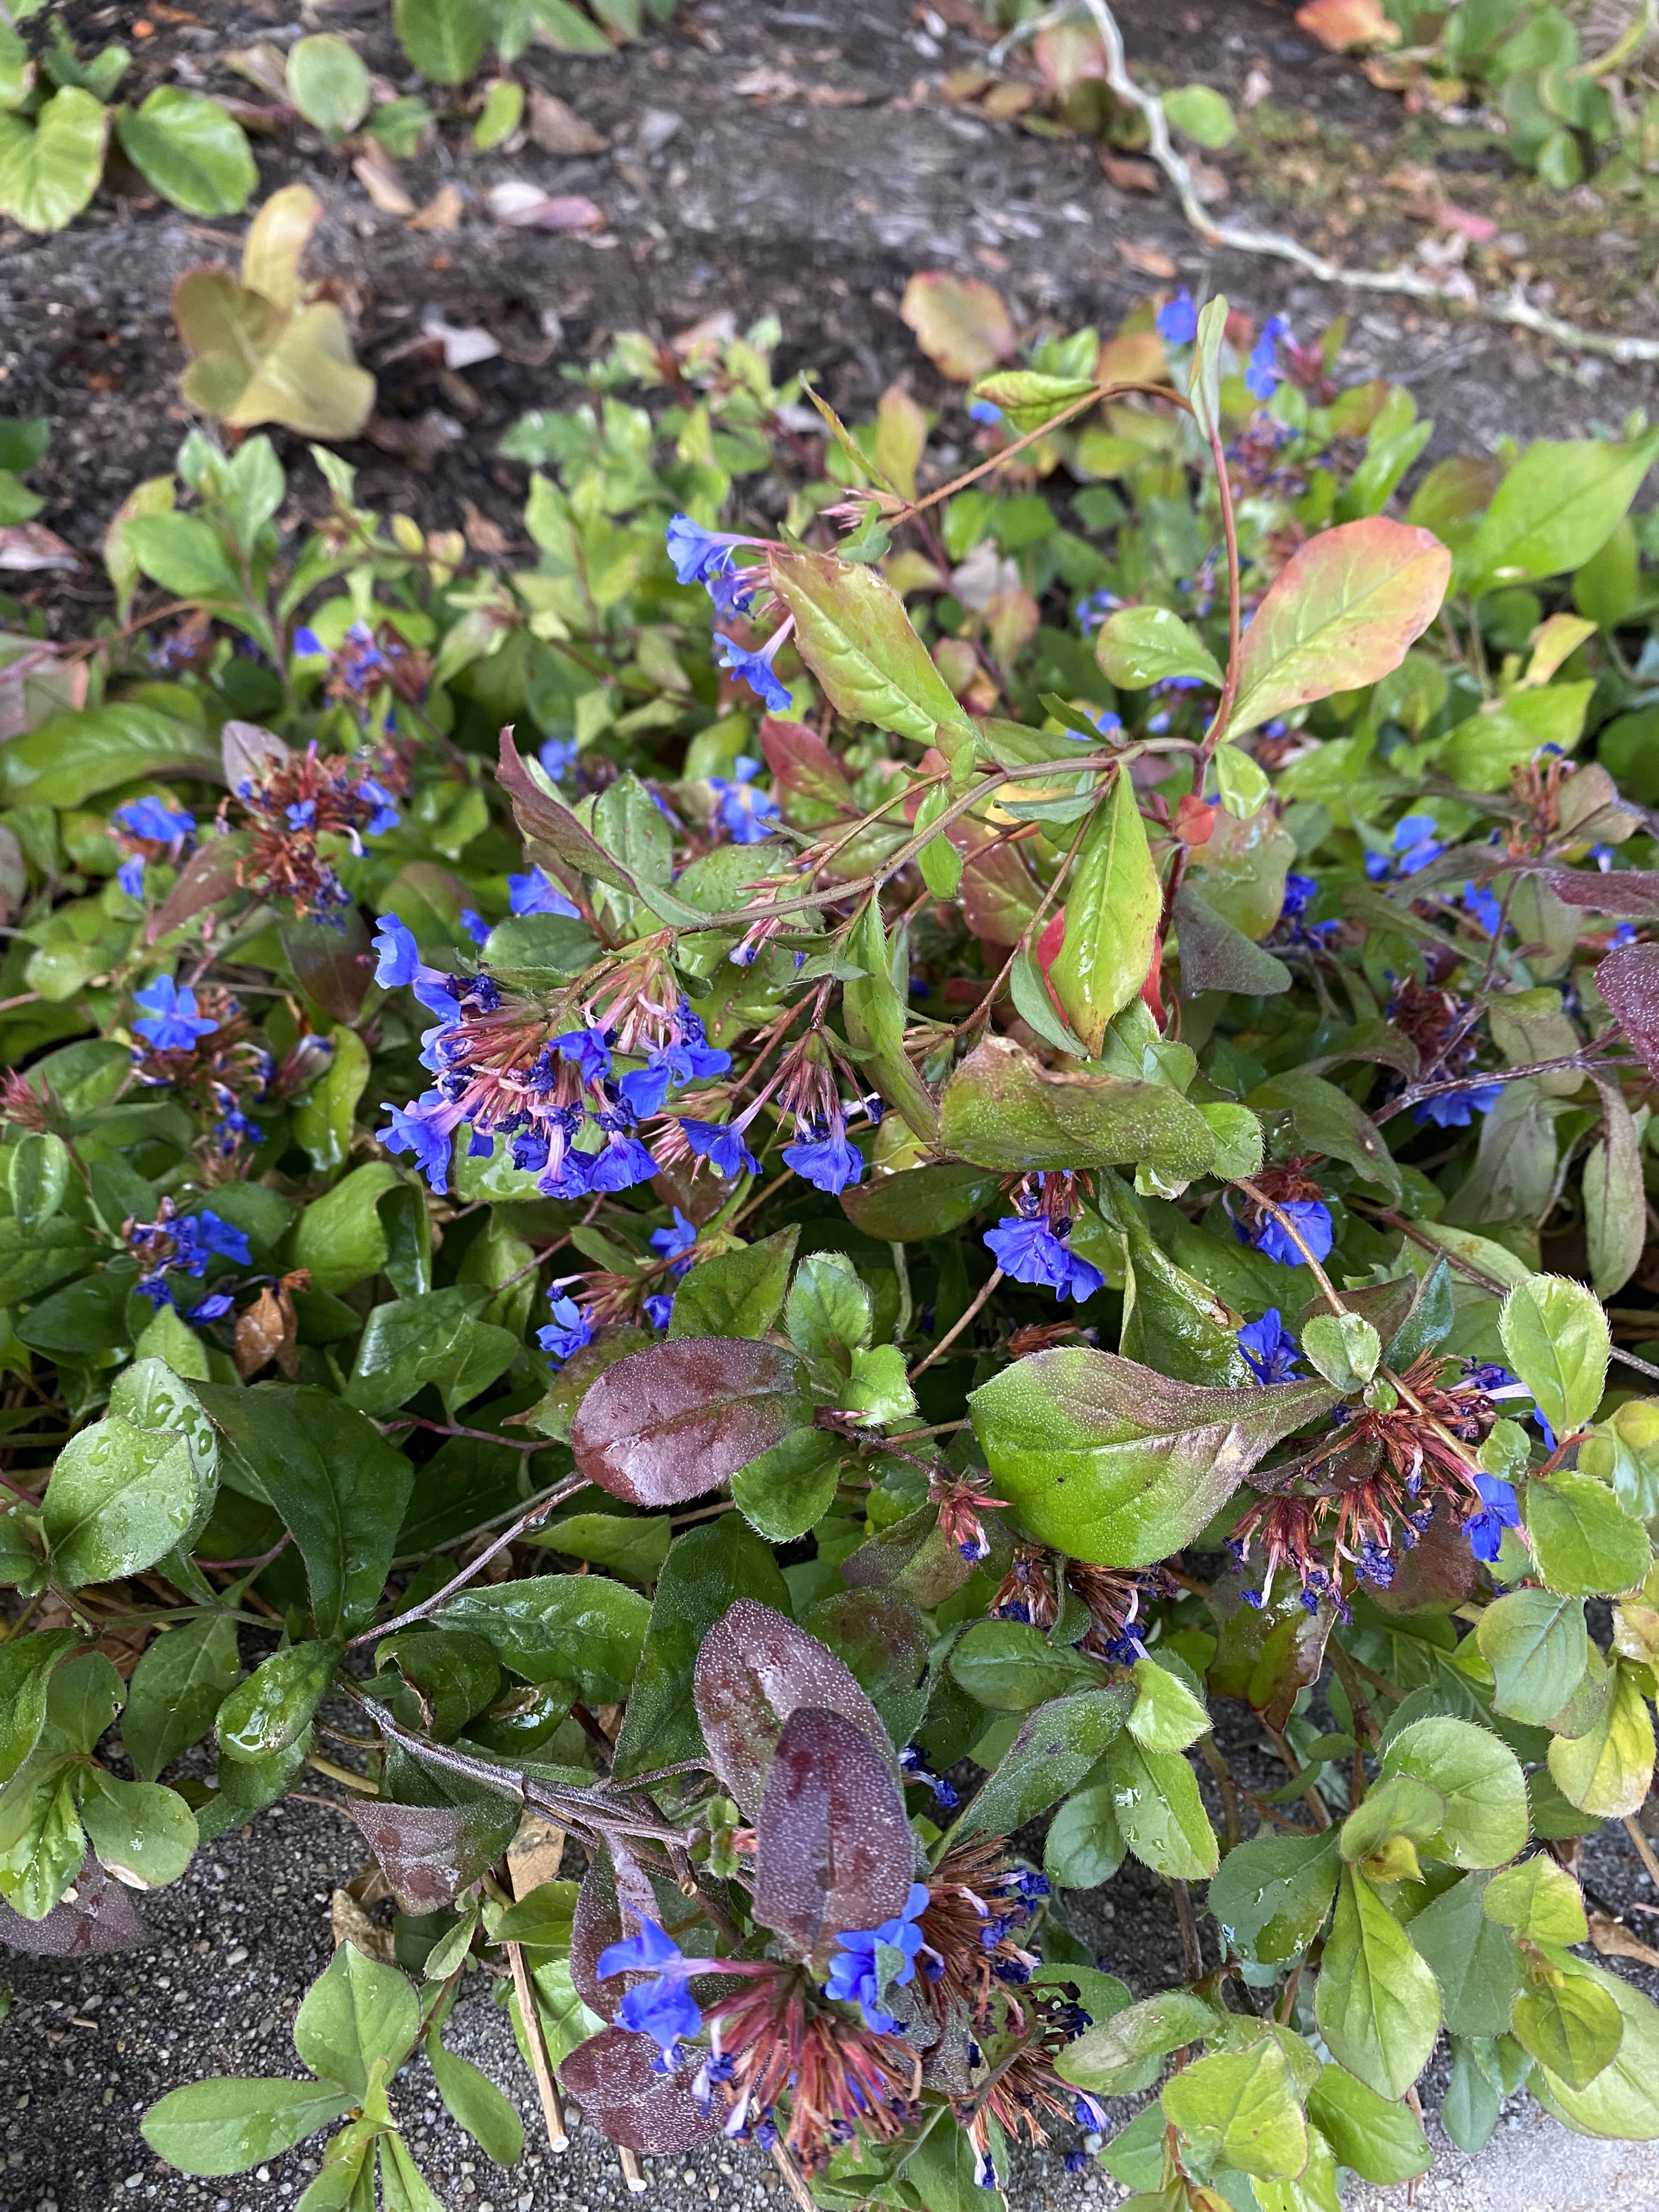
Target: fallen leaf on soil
[462, 348]
[441, 212]
[1340, 24]
[418, 441]
[524, 206]
[1209, 184]
[35, 685]
[1257, 86]
[30, 545]
[1477, 229]
[262, 65]
[766, 83]
[1066, 54]
[1613, 1941]
[373, 170]
[1127, 173]
[483, 535]
[964, 84]
[352, 1925]
[1147, 259]
[963, 327]
[839, 95]
[1005, 101]
[559, 130]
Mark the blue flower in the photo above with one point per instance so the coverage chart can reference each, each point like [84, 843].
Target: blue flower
[1485, 906]
[587, 1049]
[1262, 370]
[732, 590]
[131, 876]
[213, 1308]
[1299, 890]
[696, 552]
[854, 1977]
[537, 893]
[385, 816]
[747, 815]
[664, 2009]
[219, 1237]
[1034, 1251]
[720, 1143]
[1456, 1109]
[1272, 1241]
[475, 925]
[756, 669]
[307, 645]
[398, 957]
[570, 1329]
[828, 1163]
[982, 411]
[558, 756]
[672, 1242]
[170, 1020]
[658, 1308]
[1415, 842]
[621, 1162]
[1485, 1530]
[1270, 1353]
[302, 813]
[1177, 319]
[152, 817]
[424, 1128]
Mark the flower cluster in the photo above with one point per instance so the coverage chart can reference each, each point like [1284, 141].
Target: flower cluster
[1294, 1201]
[707, 557]
[367, 665]
[1034, 1587]
[1034, 1244]
[299, 801]
[202, 1046]
[145, 830]
[1440, 1025]
[183, 1243]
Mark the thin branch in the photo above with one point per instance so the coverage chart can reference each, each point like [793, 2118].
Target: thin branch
[957, 1327]
[429, 1605]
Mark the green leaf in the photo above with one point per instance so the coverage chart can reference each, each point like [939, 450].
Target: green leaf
[338, 1485]
[225, 2126]
[1622, 2102]
[49, 173]
[1381, 2142]
[873, 1014]
[328, 83]
[706, 1571]
[340, 1238]
[634, 1545]
[1615, 1202]
[72, 757]
[41, 1845]
[1535, 1642]
[1113, 1463]
[1398, 1809]
[1085, 1846]
[1473, 2096]
[1167, 1716]
[449, 1675]
[918, 1202]
[322, 1121]
[544, 1919]
[472, 2098]
[1538, 1900]
[1475, 1961]
[878, 1391]
[1272, 1894]
[273, 1708]
[1201, 114]
[827, 1315]
[738, 1293]
[26, 1669]
[1344, 1347]
[1010, 1665]
[194, 153]
[39, 1178]
[440, 1338]
[853, 632]
[790, 1488]
[1159, 1812]
[1112, 903]
[1571, 2025]
[143, 1834]
[185, 556]
[81, 1701]
[1480, 1779]
[356, 2012]
[1377, 2003]
[1157, 2024]
[177, 1686]
[577, 1629]
[119, 1498]
[1559, 504]
[1216, 956]
[1240, 2108]
[1584, 1542]
[1340, 615]
[1003, 1109]
[1140, 646]
[1607, 1769]
[444, 39]
[1555, 1334]
[1326, 1120]
[1056, 1745]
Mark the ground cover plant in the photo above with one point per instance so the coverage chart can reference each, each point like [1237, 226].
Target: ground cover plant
[782, 1193]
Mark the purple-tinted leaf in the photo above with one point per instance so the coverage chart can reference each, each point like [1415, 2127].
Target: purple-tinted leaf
[755, 1668]
[612, 2078]
[95, 1916]
[670, 1422]
[431, 1853]
[833, 1849]
[916, 1555]
[549, 829]
[333, 964]
[208, 876]
[250, 751]
[881, 1635]
[1628, 981]
[1631, 894]
[597, 1925]
[801, 762]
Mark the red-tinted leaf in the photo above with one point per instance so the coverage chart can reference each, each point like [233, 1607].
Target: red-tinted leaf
[801, 762]
[96, 1916]
[1628, 981]
[833, 1849]
[431, 1853]
[208, 876]
[597, 1925]
[670, 1422]
[611, 2077]
[755, 1668]
[1339, 24]
[1341, 612]
[1000, 895]
[333, 964]
[1631, 894]
[549, 829]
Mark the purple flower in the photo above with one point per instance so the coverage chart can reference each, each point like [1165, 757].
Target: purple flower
[1485, 906]
[537, 893]
[732, 590]
[149, 816]
[131, 876]
[756, 669]
[854, 1977]
[570, 1329]
[170, 1020]
[1262, 370]
[1269, 1351]
[307, 645]
[1177, 319]
[423, 1128]
[1092, 610]
[1274, 1242]
[217, 1236]
[720, 1143]
[1033, 1251]
[1456, 1109]
[587, 1049]
[828, 1163]
[1485, 1530]
[664, 2009]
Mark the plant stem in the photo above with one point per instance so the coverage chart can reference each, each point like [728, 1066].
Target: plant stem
[526, 1520]
[956, 1327]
